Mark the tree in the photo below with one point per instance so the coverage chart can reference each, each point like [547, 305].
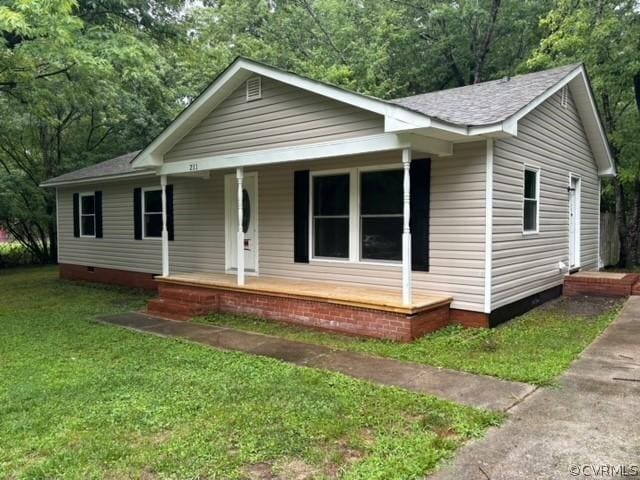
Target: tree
[605, 35]
[78, 83]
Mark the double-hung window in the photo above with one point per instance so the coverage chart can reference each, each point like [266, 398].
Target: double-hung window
[152, 212]
[87, 215]
[531, 200]
[330, 211]
[358, 214]
[381, 216]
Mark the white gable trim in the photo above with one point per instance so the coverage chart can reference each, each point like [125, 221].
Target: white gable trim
[237, 73]
[397, 119]
[578, 83]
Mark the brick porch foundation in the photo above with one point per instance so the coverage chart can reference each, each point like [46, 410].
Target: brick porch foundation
[604, 284]
[182, 302]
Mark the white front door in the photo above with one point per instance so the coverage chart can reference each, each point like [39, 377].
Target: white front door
[574, 222]
[249, 221]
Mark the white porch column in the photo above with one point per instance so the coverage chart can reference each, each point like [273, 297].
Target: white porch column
[240, 241]
[165, 232]
[406, 231]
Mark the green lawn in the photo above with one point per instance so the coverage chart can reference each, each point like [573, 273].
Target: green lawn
[85, 400]
[534, 348]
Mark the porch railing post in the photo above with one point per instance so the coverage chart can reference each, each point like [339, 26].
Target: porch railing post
[406, 230]
[165, 232]
[240, 241]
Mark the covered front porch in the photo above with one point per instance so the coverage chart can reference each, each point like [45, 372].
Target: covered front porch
[280, 197]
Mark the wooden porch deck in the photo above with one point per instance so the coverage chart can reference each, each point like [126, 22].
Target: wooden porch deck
[334, 293]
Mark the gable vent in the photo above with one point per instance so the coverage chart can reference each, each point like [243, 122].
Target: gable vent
[254, 89]
[564, 97]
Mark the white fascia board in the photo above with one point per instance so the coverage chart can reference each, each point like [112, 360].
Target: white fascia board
[369, 144]
[106, 178]
[228, 81]
[588, 113]
[233, 77]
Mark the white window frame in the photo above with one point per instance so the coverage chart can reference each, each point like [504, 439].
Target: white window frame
[537, 171]
[329, 173]
[578, 226]
[144, 213]
[355, 231]
[83, 195]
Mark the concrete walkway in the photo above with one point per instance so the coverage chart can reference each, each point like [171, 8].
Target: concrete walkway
[588, 428]
[474, 390]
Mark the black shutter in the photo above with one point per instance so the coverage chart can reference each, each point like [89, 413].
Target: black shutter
[301, 216]
[98, 204]
[169, 191]
[420, 188]
[137, 213]
[76, 214]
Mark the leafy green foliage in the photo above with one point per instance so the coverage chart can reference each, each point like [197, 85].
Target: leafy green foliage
[534, 348]
[605, 35]
[14, 255]
[84, 400]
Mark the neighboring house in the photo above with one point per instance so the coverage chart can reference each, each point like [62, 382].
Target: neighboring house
[373, 217]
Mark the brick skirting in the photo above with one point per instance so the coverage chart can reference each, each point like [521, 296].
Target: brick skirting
[602, 285]
[467, 318]
[111, 276]
[182, 301]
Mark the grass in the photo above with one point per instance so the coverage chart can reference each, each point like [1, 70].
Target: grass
[535, 348]
[85, 400]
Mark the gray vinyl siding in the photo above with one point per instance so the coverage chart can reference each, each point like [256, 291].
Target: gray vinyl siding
[456, 228]
[198, 225]
[553, 139]
[284, 116]
[117, 249]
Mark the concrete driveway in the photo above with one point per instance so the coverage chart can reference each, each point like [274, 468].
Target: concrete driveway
[587, 428]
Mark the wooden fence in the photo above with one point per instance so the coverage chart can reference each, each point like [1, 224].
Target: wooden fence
[609, 240]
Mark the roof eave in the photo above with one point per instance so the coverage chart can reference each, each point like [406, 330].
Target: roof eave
[99, 179]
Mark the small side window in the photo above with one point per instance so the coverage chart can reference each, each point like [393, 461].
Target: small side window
[87, 215]
[531, 200]
[152, 213]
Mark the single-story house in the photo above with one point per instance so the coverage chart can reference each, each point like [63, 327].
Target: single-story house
[280, 196]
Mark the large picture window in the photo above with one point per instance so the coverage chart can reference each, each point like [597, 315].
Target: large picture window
[531, 200]
[152, 210]
[331, 216]
[381, 215]
[87, 215]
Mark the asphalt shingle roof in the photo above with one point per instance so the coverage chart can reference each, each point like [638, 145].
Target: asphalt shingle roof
[115, 166]
[474, 105]
[487, 102]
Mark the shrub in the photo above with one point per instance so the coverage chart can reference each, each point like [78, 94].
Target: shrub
[15, 255]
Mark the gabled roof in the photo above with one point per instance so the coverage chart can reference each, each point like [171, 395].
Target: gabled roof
[486, 103]
[482, 110]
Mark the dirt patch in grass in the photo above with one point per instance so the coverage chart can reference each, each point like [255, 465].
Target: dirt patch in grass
[584, 306]
[295, 469]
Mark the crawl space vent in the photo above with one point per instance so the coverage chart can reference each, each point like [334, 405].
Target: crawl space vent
[254, 89]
